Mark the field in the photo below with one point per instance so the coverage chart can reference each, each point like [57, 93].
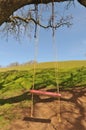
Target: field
[15, 99]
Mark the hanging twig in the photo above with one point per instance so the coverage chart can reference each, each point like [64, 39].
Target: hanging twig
[36, 18]
[53, 29]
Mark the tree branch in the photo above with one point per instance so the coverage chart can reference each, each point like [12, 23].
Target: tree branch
[7, 7]
[61, 22]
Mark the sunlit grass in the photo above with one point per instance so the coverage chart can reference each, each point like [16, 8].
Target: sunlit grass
[61, 65]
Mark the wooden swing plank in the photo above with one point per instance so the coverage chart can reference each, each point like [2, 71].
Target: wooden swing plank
[39, 92]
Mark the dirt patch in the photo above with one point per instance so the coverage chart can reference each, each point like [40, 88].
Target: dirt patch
[51, 114]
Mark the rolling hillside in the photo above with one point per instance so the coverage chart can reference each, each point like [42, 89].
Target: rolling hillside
[59, 65]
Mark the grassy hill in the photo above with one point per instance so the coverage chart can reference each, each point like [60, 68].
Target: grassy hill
[60, 65]
[15, 82]
[16, 79]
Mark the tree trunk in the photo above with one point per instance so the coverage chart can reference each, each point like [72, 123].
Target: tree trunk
[7, 7]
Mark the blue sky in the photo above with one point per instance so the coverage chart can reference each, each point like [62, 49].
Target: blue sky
[70, 42]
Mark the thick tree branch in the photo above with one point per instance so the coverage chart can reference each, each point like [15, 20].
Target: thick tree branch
[82, 2]
[7, 7]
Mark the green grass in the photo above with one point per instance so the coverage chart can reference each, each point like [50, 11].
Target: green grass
[16, 81]
[61, 65]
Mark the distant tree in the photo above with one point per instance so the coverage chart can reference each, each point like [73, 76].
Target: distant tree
[14, 64]
[29, 62]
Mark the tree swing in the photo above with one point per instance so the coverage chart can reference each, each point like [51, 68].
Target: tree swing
[33, 91]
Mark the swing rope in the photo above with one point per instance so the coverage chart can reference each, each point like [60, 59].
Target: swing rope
[34, 77]
[35, 58]
[56, 64]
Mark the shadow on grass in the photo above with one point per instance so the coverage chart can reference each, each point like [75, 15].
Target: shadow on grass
[76, 94]
[1, 86]
[24, 96]
[80, 106]
[16, 99]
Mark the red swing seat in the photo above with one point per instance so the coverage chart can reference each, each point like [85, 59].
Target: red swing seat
[40, 92]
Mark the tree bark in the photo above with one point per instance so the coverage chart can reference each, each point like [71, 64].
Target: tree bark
[7, 7]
